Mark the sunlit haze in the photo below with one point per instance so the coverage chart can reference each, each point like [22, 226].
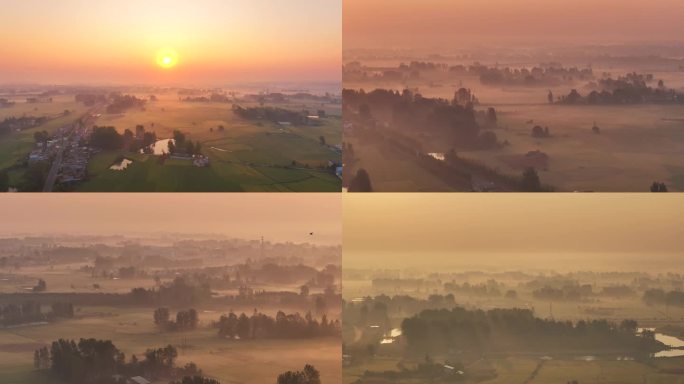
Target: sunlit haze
[277, 217]
[216, 41]
[455, 23]
[530, 231]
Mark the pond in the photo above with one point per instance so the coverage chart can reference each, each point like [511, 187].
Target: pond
[670, 341]
[390, 336]
[120, 166]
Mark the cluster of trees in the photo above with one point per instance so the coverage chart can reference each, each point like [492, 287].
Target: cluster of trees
[491, 288]
[30, 311]
[539, 132]
[179, 292]
[11, 123]
[98, 361]
[271, 114]
[185, 320]
[617, 291]
[501, 329]
[658, 187]
[662, 297]
[90, 99]
[630, 89]
[537, 76]
[181, 144]
[411, 112]
[41, 286]
[108, 138]
[309, 375]
[283, 326]
[214, 98]
[565, 293]
[361, 182]
[120, 103]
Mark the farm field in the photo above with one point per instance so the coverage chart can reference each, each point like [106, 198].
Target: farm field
[636, 143]
[246, 156]
[243, 155]
[133, 331]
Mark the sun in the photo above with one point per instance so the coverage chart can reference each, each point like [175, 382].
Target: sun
[167, 58]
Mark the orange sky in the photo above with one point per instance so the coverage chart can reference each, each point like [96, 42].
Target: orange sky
[454, 23]
[278, 217]
[216, 40]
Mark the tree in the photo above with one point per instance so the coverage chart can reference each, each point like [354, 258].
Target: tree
[365, 112]
[361, 182]
[530, 181]
[178, 137]
[161, 316]
[658, 187]
[491, 116]
[41, 286]
[41, 136]
[106, 138]
[309, 375]
[4, 181]
[304, 290]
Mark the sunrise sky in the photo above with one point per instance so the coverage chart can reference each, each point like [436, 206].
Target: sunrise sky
[524, 231]
[117, 41]
[278, 217]
[454, 23]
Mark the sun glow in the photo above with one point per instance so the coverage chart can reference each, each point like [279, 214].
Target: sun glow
[167, 58]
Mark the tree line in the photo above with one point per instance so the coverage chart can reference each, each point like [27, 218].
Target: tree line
[282, 326]
[30, 312]
[505, 329]
[662, 297]
[100, 361]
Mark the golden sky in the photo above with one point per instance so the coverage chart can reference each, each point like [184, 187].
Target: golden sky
[512, 230]
[454, 23]
[216, 40]
[277, 216]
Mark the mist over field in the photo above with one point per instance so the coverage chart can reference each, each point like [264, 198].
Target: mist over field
[166, 287]
[501, 96]
[481, 288]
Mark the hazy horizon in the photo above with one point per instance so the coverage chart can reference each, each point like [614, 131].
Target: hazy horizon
[434, 24]
[512, 231]
[277, 217]
[116, 42]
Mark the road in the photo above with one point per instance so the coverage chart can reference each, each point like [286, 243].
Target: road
[54, 168]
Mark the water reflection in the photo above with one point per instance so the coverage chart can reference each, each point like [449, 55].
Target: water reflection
[121, 165]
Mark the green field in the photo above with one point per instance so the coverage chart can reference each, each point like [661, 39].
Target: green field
[246, 156]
